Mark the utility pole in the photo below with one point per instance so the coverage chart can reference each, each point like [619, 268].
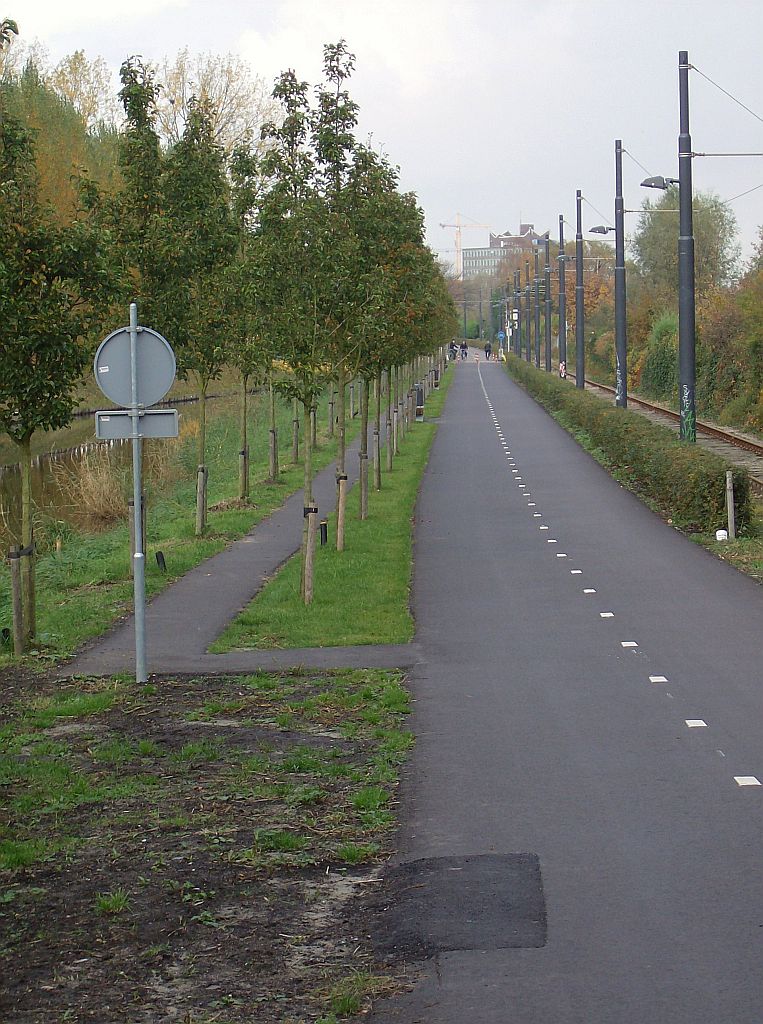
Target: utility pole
[686, 354]
[621, 350]
[547, 303]
[536, 311]
[579, 297]
[528, 338]
[562, 304]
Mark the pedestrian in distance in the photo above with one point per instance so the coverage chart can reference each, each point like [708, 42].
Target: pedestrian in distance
[488, 350]
[464, 349]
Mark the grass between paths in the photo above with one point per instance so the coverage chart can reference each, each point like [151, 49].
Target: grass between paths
[195, 847]
[85, 587]
[362, 595]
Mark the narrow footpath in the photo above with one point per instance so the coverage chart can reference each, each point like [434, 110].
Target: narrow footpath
[582, 813]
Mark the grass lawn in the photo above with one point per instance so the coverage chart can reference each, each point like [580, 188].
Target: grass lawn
[361, 594]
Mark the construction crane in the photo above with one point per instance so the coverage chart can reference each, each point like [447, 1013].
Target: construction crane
[459, 251]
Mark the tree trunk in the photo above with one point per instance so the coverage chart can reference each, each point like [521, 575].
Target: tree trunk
[341, 469]
[314, 427]
[273, 435]
[27, 542]
[295, 432]
[201, 473]
[364, 396]
[377, 434]
[243, 456]
[396, 415]
[331, 416]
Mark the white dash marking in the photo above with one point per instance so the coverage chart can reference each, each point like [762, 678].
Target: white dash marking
[658, 679]
[537, 515]
[521, 486]
[720, 752]
[561, 554]
[696, 723]
[589, 590]
[628, 643]
[551, 541]
[544, 527]
[576, 572]
[746, 780]
[607, 615]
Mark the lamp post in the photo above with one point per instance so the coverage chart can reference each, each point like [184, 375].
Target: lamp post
[579, 296]
[547, 302]
[562, 305]
[536, 310]
[621, 350]
[686, 363]
[517, 325]
[528, 340]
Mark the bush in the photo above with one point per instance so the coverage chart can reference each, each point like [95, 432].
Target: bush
[685, 482]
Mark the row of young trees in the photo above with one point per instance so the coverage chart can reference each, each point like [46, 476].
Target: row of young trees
[294, 258]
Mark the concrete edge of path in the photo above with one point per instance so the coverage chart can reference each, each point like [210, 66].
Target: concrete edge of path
[367, 656]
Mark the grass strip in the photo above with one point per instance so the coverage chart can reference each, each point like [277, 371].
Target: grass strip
[84, 588]
[362, 595]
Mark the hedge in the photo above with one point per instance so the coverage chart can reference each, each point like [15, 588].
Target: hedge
[686, 483]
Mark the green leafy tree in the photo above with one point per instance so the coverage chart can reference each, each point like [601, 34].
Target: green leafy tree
[53, 279]
[655, 243]
[198, 249]
[295, 258]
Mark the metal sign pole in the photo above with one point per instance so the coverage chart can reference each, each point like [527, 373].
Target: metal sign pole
[139, 563]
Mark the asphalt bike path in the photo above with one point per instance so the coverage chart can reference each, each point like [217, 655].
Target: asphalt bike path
[581, 815]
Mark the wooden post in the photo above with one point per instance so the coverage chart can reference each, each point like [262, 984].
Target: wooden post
[341, 506]
[18, 617]
[243, 473]
[730, 504]
[352, 400]
[201, 500]
[312, 526]
[295, 432]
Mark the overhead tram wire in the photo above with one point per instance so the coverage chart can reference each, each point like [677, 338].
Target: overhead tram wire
[725, 92]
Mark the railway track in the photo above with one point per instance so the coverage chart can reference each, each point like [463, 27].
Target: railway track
[753, 464]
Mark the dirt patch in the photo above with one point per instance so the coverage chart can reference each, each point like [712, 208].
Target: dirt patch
[195, 850]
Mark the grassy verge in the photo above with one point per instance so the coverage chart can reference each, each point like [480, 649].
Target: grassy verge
[361, 594]
[191, 847]
[745, 553]
[86, 586]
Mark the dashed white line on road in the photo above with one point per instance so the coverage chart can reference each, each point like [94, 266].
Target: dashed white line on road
[696, 723]
[536, 515]
[551, 541]
[576, 572]
[658, 679]
[746, 780]
[607, 615]
[543, 527]
[589, 590]
[628, 643]
[561, 554]
[521, 486]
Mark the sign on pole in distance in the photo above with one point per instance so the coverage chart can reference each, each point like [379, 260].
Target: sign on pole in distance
[116, 424]
[155, 367]
[502, 336]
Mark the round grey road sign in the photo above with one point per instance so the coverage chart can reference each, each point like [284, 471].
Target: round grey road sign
[155, 366]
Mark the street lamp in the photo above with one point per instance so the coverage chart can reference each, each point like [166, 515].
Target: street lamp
[528, 340]
[686, 335]
[517, 325]
[579, 296]
[621, 346]
[562, 304]
[536, 308]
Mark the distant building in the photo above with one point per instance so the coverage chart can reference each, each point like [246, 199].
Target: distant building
[488, 260]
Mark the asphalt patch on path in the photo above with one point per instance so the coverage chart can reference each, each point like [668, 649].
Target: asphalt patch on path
[439, 904]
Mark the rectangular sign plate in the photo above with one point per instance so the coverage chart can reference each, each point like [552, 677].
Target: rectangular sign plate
[115, 424]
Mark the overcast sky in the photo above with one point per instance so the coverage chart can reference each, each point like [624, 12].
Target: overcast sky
[494, 109]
